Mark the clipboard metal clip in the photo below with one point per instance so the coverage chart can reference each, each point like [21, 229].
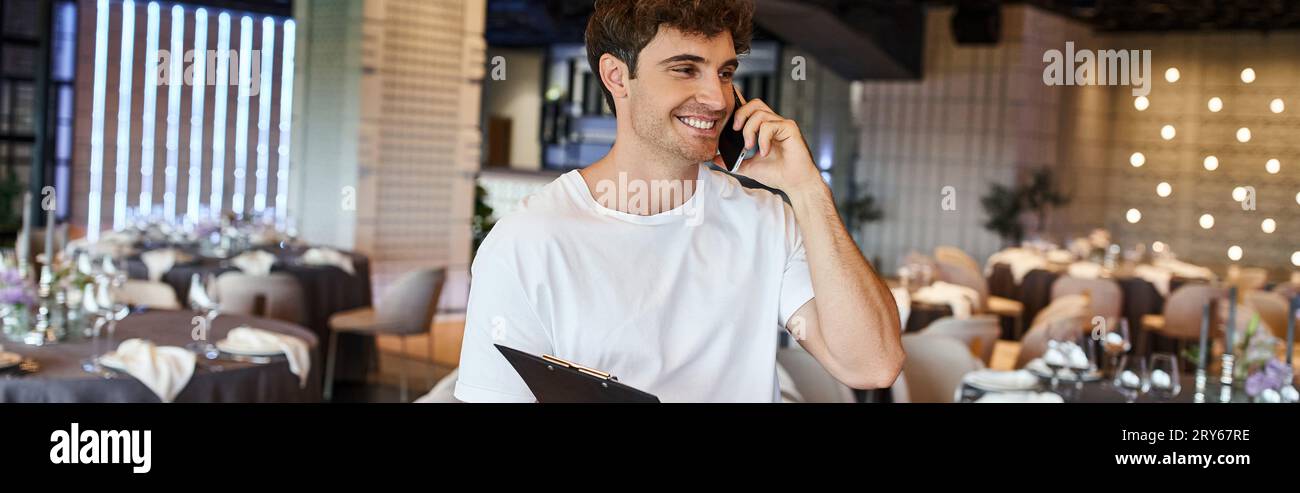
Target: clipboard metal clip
[582, 369]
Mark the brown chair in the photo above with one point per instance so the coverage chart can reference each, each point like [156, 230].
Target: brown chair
[407, 308]
[278, 296]
[1250, 278]
[979, 333]
[956, 271]
[1181, 319]
[1064, 318]
[1105, 296]
[1271, 307]
[956, 256]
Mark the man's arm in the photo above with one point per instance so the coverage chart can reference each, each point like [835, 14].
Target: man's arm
[855, 335]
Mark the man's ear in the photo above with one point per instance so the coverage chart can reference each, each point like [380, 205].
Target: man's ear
[614, 74]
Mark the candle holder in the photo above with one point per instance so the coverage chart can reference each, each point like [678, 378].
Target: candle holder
[48, 327]
[1225, 377]
[1201, 378]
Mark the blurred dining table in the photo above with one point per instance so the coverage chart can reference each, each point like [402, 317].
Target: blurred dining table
[1104, 392]
[57, 375]
[326, 290]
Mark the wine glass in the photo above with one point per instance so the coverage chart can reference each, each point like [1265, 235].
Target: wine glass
[1116, 343]
[1164, 381]
[1130, 375]
[203, 305]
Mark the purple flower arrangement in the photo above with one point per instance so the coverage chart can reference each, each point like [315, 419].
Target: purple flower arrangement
[14, 290]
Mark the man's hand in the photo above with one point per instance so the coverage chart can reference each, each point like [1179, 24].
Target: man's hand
[783, 160]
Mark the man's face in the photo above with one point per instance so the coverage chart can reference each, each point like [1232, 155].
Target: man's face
[681, 96]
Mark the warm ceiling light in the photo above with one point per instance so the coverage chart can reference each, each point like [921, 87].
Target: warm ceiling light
[1211, 163]
[1158, 247]
[1295, 259]
[1133, 215]
[1234, 253]
[1141, 103]
[1215, 104]
[1167, 132]
[1248, 75]
[1269, 225]
[1239, 194]
[1207, 221]
[1276, 105]
[1273, 166]
[1137, 159]
[1172, 75]
[1243, 135]
[1164, 189]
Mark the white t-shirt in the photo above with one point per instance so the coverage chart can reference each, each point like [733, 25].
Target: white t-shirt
[686, 304]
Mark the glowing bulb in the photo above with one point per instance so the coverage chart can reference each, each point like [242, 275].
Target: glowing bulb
[1172, 75]
[1211, 163]
[1269, 225]
[1295, 259]
[1276, 105]
[1243, 135]
[1141, 103]
[1248, 75]
[1164, 189]
[1133, 216]
[1167, 132]
[1158, 247]
[1239, 194]
[1234, 253]
[1215, 104]
[1207, 221]
[1273, 166]
[1137, 159]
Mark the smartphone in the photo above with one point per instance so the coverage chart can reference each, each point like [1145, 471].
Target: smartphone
[731, 143]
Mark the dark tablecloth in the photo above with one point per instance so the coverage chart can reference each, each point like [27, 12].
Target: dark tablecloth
[61, 378]
[326, 290]
[1103, 391]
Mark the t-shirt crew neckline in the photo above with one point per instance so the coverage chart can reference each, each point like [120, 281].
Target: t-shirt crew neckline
[580, 192]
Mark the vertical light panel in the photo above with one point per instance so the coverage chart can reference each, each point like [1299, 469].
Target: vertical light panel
[219, 114]
[200, 86]
[97, 121]
[124, 90]
[174, 111]
[264, 114]
[149, 110]
[241, 113]
[286, 117]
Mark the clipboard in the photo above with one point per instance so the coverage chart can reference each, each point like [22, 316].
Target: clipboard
[554, 380]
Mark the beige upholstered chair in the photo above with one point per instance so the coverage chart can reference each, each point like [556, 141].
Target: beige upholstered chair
[407, 308]
[956, 256]
[1181, 319]
[812, 382]
[1064, 318]
[933, 369]
[1271, 307]
[444, 392]
[962, 270]
[156, 295]
[1105, 295]
[278, 296]
[979, 333]
[1250, 278]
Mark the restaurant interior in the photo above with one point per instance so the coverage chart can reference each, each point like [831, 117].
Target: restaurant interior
[213, 201]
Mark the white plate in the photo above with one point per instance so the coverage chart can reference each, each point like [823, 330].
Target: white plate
[9, 360]
[1041, 369]
[1020, 398]
[991, 380]
[228, 347]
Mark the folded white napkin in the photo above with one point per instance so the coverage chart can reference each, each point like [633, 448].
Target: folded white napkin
[904, 301]
[328, 256]
[294, 349]
[158, 262]
[1021, 261]
[961, 299]
[1085, 270]
[1060, 256]
[1020, 398]
[1001, 380]
[1185, 270]
[164, 370]
[1157, 276]
[256, 262]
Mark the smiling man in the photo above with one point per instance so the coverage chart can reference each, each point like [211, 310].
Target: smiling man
[681, 295]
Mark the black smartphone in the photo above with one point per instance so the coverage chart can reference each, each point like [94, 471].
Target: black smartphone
[731, 143]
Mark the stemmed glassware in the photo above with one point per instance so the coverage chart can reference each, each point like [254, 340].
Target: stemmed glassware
[203, 305]
[1163, 382]
[1130, 377]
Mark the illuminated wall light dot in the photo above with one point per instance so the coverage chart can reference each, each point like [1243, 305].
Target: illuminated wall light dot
[1295, 259]
[1215, 104]
[1141, 103]
[1137, 159]
[1248, 75]
[1243, 135]
[1164, 189]
[1268, 226]
[1297, 198]
[1234, 253]
[1167, 132]
[1158, 246]
[1172, 75]
[1276, 105]
[1133, 215]
[1273, 166]
[1239, 194]
[1211, 163]
[1207, 221]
